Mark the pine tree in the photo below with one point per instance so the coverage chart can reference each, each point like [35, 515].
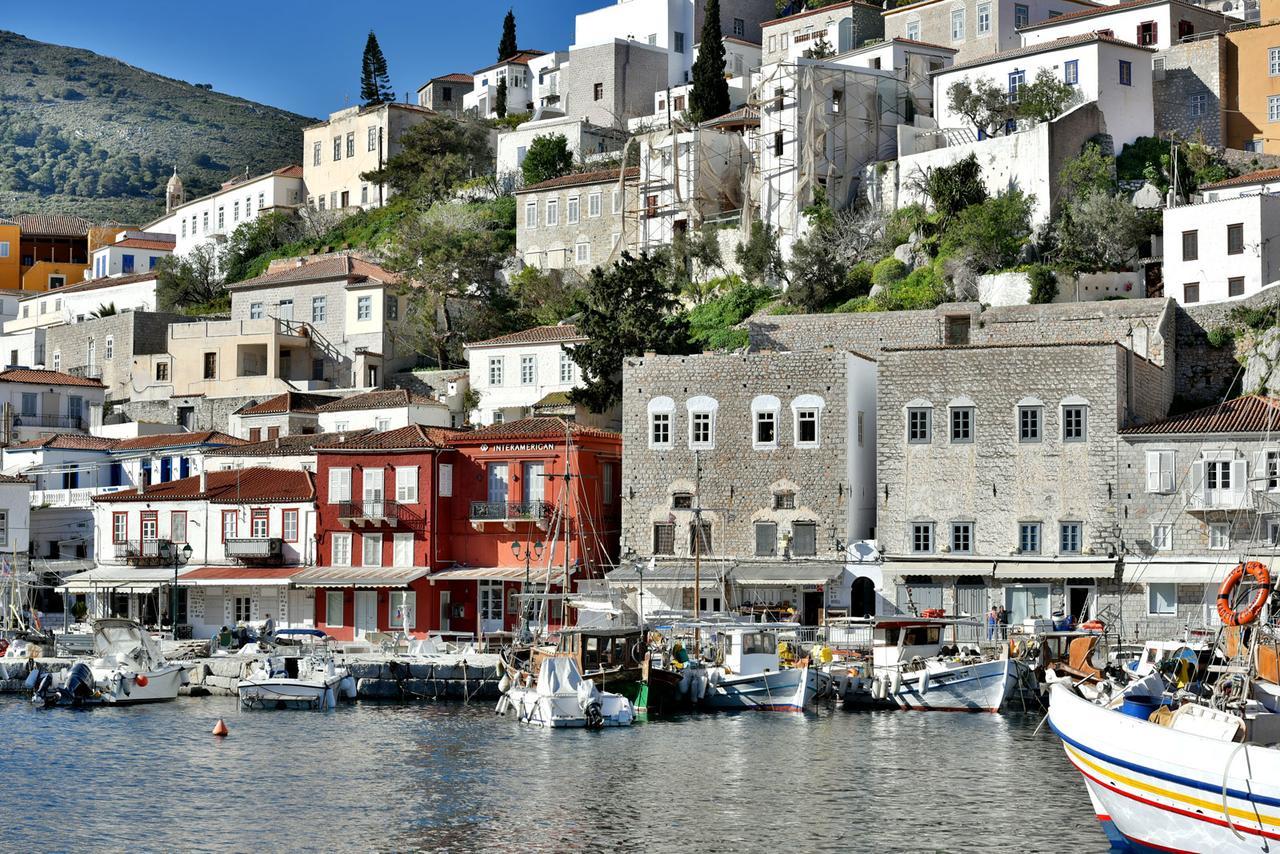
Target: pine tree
[507, 46]
[500, 100]
[710, 98]
[375, 84]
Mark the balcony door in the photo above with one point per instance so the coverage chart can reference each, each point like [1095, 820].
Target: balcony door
[150, 525]
[499, 483]
[373, 491]
[534, 482]
[490, 606]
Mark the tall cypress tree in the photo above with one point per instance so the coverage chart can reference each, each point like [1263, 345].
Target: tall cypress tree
[710, 97]
[375, 84]
[500, 99]
[507, 46]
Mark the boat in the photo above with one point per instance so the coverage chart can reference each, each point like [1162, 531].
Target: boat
[127, 668]
[560, 697]
[742, 670]
[312, 681]
[617, 659]
[914, 667]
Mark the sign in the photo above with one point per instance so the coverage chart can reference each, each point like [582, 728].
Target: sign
[532, 446]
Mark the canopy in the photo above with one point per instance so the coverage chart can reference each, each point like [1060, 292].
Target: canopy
[132, 578]
[666, 575]
[1056, 569]
[785, 574]
[938, 567]
[497, 573]
[239, 576]
[359, 576]
[558, 675]
[1208, 572]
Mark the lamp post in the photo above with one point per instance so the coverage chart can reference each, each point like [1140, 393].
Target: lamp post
[528, 554]
[638, 565]
[176, 559]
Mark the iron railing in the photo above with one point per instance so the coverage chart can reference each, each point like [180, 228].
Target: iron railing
[506, 511]
[75, 422]
[374, 509]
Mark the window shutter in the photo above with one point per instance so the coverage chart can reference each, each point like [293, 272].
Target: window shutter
[1239, 481]
[1167, 477]
[1260, 471]
[1154, 470]
[446, 480]
[1195, 489]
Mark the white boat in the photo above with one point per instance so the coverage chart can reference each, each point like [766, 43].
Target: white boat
[128, 668]
[748, 674]
[560, 697]
[296, 682]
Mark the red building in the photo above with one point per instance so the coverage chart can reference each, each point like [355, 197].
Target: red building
[422, 520]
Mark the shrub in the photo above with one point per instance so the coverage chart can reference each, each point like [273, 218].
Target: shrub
[924, 288]
[1220, 336]
[901, 224]
[858, 279]
[712, 324]
[887, 271]
[1044, 284]
[991, 232]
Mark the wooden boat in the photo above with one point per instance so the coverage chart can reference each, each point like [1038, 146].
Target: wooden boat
[617, 659]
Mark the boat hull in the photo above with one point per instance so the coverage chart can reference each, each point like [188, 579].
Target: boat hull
[162, 686]
[1159, 789]
[293, 693]
[564, 711]
[790, 690]
[981, 687]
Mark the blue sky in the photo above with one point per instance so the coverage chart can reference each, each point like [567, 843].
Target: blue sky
[301, 56]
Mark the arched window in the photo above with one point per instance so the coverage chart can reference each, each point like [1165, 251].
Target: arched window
[765, 409]
[806, 418]
[661, 421]
[702, 422]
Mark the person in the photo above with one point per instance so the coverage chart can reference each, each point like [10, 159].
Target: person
[1004, 621]
[224, 638]
[993, 618]
[242, 634]
[268, 628]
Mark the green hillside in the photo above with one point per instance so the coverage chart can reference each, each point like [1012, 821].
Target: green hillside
[89, 134]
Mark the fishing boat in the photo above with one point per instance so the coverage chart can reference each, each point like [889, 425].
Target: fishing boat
[127, 668]
[617, 659]
[742, 670]
[561, 698]
[296, 682]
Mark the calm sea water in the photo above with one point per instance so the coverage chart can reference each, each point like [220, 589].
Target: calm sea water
[453, 778]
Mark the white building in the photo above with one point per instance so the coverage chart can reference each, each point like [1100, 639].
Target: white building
[77, 303]
[546, 73]
[129, 253]
[705, 180]
[483, 97]
[381, 410]
[666, 24]
[1157, 24]
[215, 216]
[583, 139]
[34, 403]
[975, 28]
[15, 518]
[1115, 74]
[842, 26]
[296, 451]
[354, 140]
[512, 373]
[163, 457]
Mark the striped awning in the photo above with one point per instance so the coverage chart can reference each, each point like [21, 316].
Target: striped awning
[359, 576]
[537, 574]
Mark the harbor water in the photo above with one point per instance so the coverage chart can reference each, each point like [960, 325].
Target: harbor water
[448, 777]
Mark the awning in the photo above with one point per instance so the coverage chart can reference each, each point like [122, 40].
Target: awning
[1053, 570]
[537, 574]
[238, 576]
[128, 578]
[359, 576]
[665, 575]
[1153, 572]
[785, 574]
[938, 567]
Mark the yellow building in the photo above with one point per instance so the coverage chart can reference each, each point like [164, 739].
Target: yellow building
[1252, 89]
[10, 259]
[53, 250]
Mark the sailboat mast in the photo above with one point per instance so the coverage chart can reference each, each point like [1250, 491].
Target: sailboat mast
[697, 548]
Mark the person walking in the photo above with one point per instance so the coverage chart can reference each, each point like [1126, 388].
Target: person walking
[268, 628]
[993, 620]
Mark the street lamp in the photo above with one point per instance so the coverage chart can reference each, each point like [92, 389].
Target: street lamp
[638, 565]
[530, 553]
[176, 559]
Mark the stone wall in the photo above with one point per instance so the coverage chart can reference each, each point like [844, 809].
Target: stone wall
[1193, 69]
[201, 413]
[629, 73]
[132, 333]
[1207, 374]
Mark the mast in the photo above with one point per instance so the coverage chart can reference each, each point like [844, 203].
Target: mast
[697, 548]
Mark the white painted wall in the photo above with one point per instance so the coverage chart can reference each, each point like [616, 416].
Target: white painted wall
[62, 306]
[654, 22]
[1124, 23]
[388, 418]
[1258, 264]
[198, 220]
[483, 96]
[582, 138]
[109, 260]
[23, 348]
[512, 397]
[861, 456]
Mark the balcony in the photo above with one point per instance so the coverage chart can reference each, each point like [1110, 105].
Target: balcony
[73, 498]
[88, 372]
[374, 511]
[255, 549]
[510, 512]
[142, 552]
[72, 422]
[1208, 500]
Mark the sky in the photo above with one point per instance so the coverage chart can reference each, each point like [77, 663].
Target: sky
[300, 56]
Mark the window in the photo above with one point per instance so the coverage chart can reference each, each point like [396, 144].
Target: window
[1235, 239]
[4, 248]
[957, 25]
[230, 524]
[566, 367]
[528, 370]
[682, 501]
[57, 358]
[1198, 105]
[804, 539]
[962, 537]
[1219, 535]
[678, 41]
[495, 370]
[319, 309]
[1029, 538]
[259, 523]
[371, 142]
[1021, 15]
[766, 539]
[766, 434]
[739, 27]
[922, 537]
[572, 210]
[1147, 33]
[126, 261]
[1161, 537]
[351, 143]
[1074, 423]
[340, 548]
[984, 19]
[1271, 470]
[371, 550]
[29, 402]
[593, 205]
[702, 422]
[961, 424]
[162, 372]
[664, 538]
[339, 485]
[333, 598]
[1126, 73]
[391, 306]
[700, 538]
[1029, 418]
[617, 201]
[315, 154]
[402, 549]
[530, 214]
[407, 484]
[784, 501]
[582, 252]
[1191, 292]
[806, 427]
[919, 425]
[1069, 538]
[1017, 79]
[289, 525]
[660, 429]
[597, 92]
[110, 347]
[1235, 286]
[1162, 599]
[1071, 72]
[913, 30]
[119, 527]
[337, 148]
[777, 144]
[553, 212]
[1160, 472]
[211, 366]
[204, 222]
[364, 308]
[255, 311]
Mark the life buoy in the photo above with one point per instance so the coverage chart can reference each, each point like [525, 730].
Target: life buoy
[933, 613]
[1243, 617]
[1093, 626]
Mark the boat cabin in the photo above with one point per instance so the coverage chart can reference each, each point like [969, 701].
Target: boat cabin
[750, 650]
[897, 641]
[603, 649]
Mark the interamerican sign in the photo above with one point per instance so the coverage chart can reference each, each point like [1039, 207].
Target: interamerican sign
[539, 446]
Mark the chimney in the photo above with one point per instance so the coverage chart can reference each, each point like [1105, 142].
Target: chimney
[204, 481]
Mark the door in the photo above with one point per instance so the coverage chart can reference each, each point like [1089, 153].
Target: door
[366, 612]
[93, 353]
[971, 600]
[534, 483]
[1079, 603]
[446, 606]
[1031, 600]
[811, 608]
[490, 606]
[498, 481]
[862, 597]
[373, 492]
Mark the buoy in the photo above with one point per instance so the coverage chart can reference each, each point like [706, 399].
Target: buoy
[220, 728]
[897, 683]
[924, 682]
[141, 679]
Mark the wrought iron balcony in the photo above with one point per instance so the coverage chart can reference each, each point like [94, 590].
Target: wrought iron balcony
[509, 511]
[376, 511]
[256, 549]
[142, 552]
[74, 422]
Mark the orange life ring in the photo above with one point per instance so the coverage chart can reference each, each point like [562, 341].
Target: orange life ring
[1244, 617]
[1093, 626]
[933, 613]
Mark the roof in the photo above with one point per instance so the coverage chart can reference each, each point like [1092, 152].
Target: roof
[415, 436]
[747, 115]
[1041, 47]
[917, 41]
[1262, 176]
[95, 284]
[176, 440]
[41, 377]
[343, 266]
[232, 486]
[521, 57]
[242, 574]
[809, 12]
[535, 428]
[285, 446]
[455, 77]
[1107, 10]
[601, 176]
[13, 478]
[536, 335]
[359, 576]
[290, 401]
[555, 398]
[52, 225]
[141, 243]
[1252, 413]
[736, 40]
[384, 398]
[69, 441]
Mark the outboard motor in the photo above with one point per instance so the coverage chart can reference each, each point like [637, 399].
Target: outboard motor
[79, 682]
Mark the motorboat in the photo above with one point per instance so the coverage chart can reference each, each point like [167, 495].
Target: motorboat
[617, 658]
[561, 697]
[127, 668]
[296, 682]
[742, 670]
[917, 665]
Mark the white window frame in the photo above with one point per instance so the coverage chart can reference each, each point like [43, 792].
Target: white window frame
[913, 29]
[553, 212]
[702, 411]
[594, 204]
[1161, 536]
[109, 348]
[1160, 475]
[1273, 61]
[566, 367]
[1028, 527]
[319, 309]
[370, 545]
[1273, 108]
[339, 485]
[364, 308]
[1219, 536]
[662, 410]
[807, 405]
[399, 544]
[528, 369]
[340, 549]
[407, 484]
[983, 13]
[1172, 587]
[957, 24]
[332, 596]
[582, 252]
[573, 210]
[765, 408]
[496, 370]
[531, 214]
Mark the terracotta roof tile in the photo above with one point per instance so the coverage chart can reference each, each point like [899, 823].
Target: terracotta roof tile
[456, 77]
[285, 446]
[1262, 176]
[1041, 47]
[41, 377]
[53, 225]
[747, 115]
[806, 13]
[518, 58]
[290, 401]
[385, 398]
[232, 486]
[95, 284]
[70, 441]
[403, 438]
[240, 573]
[344, 266]
[13, 478]
[601, 176]
[1250, 414]
[535, 428]
[536, 335]
[142, 243]
[175, 440]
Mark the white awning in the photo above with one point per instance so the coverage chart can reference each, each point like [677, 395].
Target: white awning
[1208, 572]
[1053, 569]
[785, 574]
[537, 574]
[938, 567]
[359, 576]
[128, 578]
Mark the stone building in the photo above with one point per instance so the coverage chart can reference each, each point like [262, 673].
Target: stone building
[776, 451]
[607, 84]
[1189, 81]
[444, 94]
[104, 347]
[975, 28]
[576, 222]
[843, 26]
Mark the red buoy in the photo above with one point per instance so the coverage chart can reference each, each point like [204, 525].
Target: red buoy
[220, 728]
[142, 680]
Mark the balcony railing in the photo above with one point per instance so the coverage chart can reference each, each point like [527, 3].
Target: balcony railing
[509, 511]
[370, 510]
[141, 552]
[70, 497]
[89, 372]
[255, 548]
[1214, 499]
[75, 422]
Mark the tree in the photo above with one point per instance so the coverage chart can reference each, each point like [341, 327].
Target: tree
[991, 233]
[954, 187]
[500, 99]
[1097, 231]
[191, 281]
[546, 297]
[1046, 97]
[626, 310]
[760, 258]
[507, 44]
[104, 310]
[435, 156]
[1090, 171]
[983, 103]
[548, 157]
[710, 96]
[375, 84]
[251, 240]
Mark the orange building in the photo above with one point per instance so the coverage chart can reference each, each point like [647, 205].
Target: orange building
[53, 250]
[1252, 89]
[10, 266]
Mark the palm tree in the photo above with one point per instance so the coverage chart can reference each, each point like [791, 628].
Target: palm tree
[104, 310]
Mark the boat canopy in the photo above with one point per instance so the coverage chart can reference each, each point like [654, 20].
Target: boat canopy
[122, 638]
[558, 675]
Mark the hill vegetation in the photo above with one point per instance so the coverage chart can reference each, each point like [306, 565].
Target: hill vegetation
[91, 135]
